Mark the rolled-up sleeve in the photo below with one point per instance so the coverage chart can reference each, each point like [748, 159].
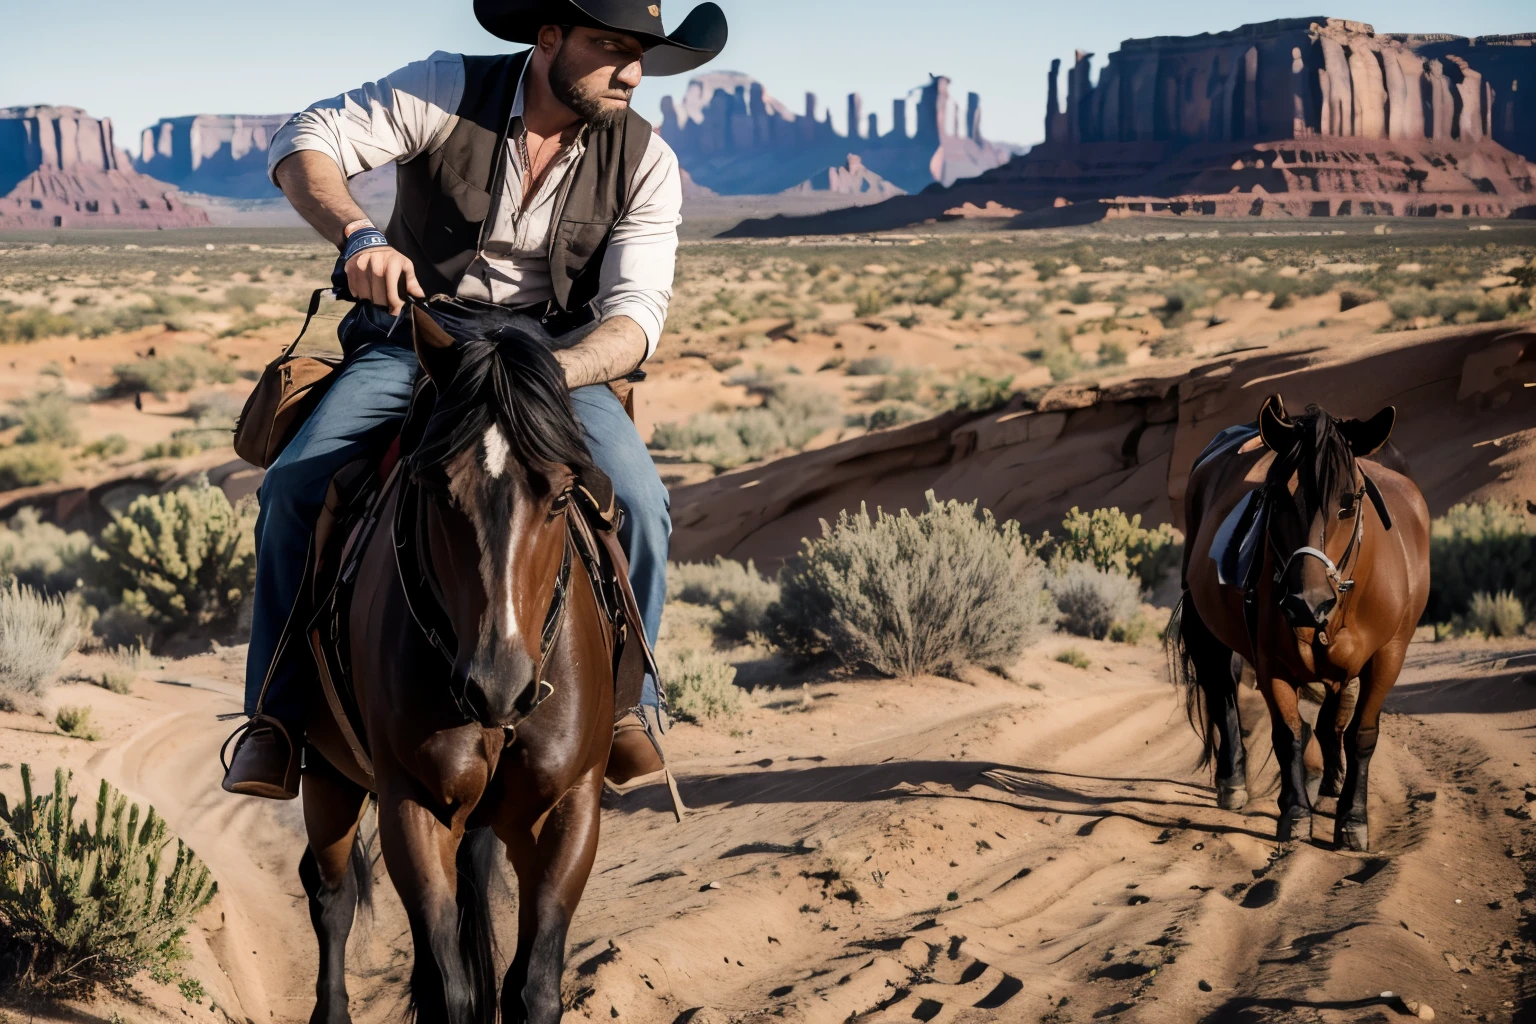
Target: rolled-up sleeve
[636, 277]
[395, 118]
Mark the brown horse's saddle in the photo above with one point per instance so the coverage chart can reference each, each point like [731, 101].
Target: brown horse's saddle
[357, 498]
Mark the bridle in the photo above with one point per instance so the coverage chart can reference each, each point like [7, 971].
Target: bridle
[1342, 583]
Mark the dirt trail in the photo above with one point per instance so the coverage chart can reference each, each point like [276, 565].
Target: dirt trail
[1037, 848]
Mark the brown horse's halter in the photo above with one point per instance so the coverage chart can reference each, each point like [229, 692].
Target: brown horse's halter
[1336, 575]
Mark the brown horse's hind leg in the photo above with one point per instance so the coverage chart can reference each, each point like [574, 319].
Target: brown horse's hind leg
[333, 806]
[1350, 830]
[1217, 671]
[551, 874]
[1289, 734]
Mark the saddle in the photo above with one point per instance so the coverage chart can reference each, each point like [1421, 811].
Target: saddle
[353, 512]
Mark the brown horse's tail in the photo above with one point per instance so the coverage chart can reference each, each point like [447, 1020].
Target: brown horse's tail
[1186, 635]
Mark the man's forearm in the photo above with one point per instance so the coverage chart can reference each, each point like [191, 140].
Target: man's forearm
[318, 191]
[613, 350]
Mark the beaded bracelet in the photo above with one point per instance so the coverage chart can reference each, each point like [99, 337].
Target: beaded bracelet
[362, 238]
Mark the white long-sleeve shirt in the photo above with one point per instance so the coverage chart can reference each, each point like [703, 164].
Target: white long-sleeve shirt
[403, 114]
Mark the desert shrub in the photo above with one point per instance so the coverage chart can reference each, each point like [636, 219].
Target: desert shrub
[245, 296]
[1487, 548]
[1500, 614]
[121, 627]
[1410, 304]
[181, 559]
[1081, 294]
[47, 417]
[894, 414]
[901, 386]
[870, 302]
[1074, 657]
[787, 420]
[1170, 346]
[41, 555]
[34, 323]
[913, 594]
[1109, 540]
[161, 375]
[739, 592]
[127, 662]
[36, 634]
[75, 720]
[700, 685]
[86, 903]
[1172, 310]
[1112, 353]
[28, 465]
[976, 391]
[870, 366]
[1047, 268]
[1061, 361]
[1093, 600]
[107, 447]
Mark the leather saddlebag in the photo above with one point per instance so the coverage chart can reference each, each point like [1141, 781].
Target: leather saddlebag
[288, 391]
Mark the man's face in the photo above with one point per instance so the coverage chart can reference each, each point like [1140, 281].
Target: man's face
[595, 72]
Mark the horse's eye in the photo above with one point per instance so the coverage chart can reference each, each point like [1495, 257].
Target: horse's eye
[562, 500]
[1348, 506]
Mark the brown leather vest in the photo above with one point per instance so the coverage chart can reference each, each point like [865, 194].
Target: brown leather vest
[443, 196]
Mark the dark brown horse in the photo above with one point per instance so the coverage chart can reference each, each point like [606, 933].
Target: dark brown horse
[1339, 577]
[493, 473]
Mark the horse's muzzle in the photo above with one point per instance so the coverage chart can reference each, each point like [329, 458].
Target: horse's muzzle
[1303, 613]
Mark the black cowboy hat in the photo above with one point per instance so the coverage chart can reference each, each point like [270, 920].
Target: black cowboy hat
[697, 40]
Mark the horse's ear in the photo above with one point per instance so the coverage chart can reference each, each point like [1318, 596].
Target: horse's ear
[434, 346]
[1278, 432]
[1367, 437]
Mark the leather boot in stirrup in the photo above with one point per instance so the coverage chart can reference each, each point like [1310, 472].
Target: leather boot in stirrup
[265, 763]
[635, 752]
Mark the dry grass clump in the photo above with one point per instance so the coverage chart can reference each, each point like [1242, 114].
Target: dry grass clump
[1487, 548]
[41, 555]
[1496, 615]
[914, 594]
[36, 634]
[700, 685]
[127, 662]
[75, 720]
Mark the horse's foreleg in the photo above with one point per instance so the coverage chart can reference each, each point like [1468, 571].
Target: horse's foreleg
[1350, 828]
[420, 852]
[1289, 733]
[551, 873]
[1334, 718]
[333, 806]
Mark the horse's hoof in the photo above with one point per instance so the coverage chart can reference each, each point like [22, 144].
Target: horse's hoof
[1231, 798]
[1352, 837]
[1294, 826]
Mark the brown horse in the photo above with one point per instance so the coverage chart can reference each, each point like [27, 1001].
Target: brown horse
[1340, 576]
[456, 752]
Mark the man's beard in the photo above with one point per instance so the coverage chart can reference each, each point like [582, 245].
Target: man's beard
[567, 89]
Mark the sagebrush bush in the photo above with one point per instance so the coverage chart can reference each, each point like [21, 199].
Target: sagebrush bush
[739, 592]
[41, 555]
[75, 720]
[36, 634]
[913, 594]
[127, 662]
[700, 685]
[28, 465]
[48, 417]
[1487, 548]
[181, 559]
[1500, 615]
[86, 903]
[1093, 601]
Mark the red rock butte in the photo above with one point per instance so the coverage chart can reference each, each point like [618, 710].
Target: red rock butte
[60, 168]
[1301, 117]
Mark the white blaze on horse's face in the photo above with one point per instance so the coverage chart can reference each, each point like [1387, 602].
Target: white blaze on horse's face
[497, 452]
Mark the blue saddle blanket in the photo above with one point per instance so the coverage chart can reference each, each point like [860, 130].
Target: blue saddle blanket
[1237, 540]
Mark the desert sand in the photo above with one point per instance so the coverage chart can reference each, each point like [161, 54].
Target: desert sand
[1036, 847]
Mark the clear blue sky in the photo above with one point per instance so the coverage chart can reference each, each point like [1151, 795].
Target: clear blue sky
[139, 61]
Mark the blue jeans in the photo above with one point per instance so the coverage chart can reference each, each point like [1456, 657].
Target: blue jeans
[363, 409]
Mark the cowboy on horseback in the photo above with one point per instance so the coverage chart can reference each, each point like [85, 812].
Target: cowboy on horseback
[525, 182]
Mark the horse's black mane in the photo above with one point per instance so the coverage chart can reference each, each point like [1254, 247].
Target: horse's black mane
[508, 378]
[1321, 460]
